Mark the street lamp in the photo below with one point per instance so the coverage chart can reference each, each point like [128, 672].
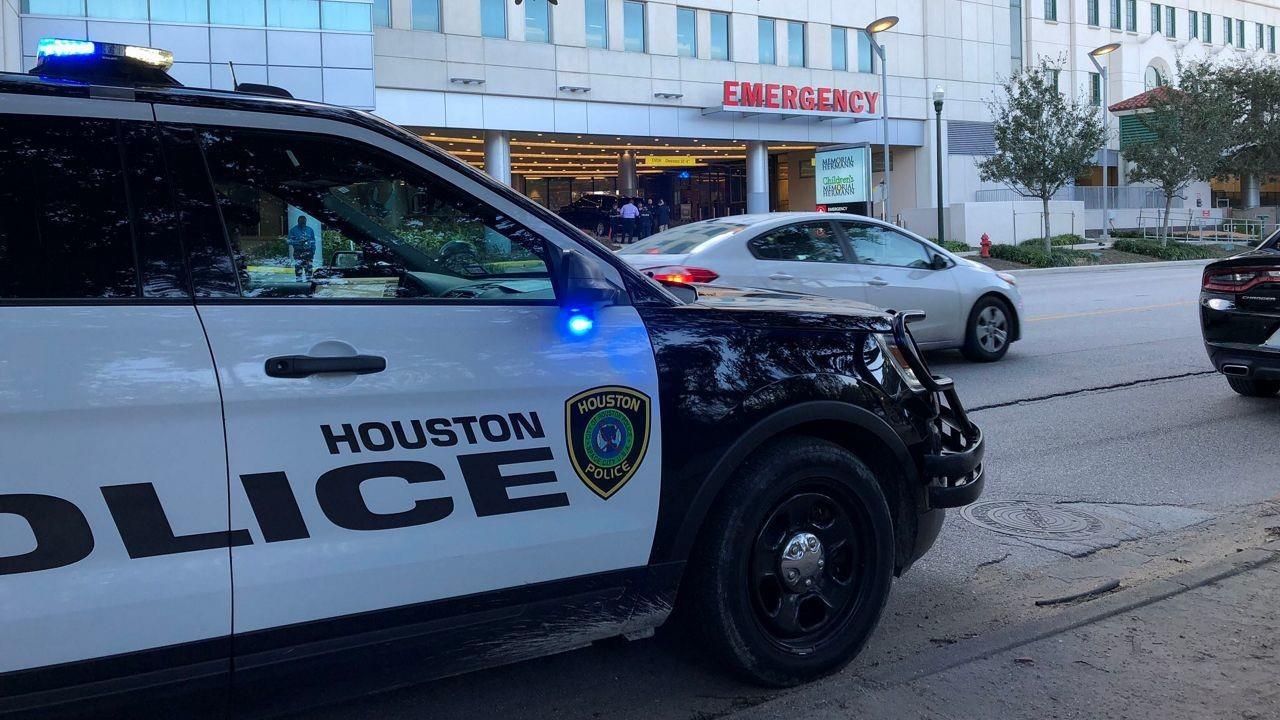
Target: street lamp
[875, 27]
[938, 96]
[1102, 73]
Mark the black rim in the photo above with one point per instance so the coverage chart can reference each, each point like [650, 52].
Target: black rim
[801, 599]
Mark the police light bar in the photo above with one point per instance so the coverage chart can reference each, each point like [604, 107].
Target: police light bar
[59, 47]
[102, 63]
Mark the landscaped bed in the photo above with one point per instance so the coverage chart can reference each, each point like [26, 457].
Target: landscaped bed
[1030, 253]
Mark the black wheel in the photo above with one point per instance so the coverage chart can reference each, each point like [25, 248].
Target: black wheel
[794, 564]
[986, 335]
[1254, 388]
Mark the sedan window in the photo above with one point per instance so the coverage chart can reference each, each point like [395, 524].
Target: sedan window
[806, 242]
[876, 245]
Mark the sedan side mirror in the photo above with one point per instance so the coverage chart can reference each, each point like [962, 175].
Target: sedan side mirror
[940, 262]
[581, 283]
[687, 294]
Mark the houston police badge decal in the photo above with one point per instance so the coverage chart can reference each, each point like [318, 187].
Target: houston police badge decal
[607, 429]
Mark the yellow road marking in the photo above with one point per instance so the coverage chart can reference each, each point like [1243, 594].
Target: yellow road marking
[1110, 311]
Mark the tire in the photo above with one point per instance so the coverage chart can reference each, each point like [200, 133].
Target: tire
[1254, 388]
[735, 583]
[987, 331]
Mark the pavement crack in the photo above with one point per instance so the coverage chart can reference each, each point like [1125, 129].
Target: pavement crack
[1096, 388]
[996, 561]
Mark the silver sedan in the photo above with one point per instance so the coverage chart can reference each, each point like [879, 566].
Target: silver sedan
[967, 305]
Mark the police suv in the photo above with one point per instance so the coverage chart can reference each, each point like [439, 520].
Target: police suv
[294, 406]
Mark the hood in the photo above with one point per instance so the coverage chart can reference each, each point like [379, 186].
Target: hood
[754, 306]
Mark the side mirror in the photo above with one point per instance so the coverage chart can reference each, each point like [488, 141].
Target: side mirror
[688, 294]
[940, 262]
[582, 285]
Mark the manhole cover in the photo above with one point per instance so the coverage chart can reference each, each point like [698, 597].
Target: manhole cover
[1031, 520]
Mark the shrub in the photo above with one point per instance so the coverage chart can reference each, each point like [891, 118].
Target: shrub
[1032, 254]
[956, 246]
[1056, 241]
[1172, 251]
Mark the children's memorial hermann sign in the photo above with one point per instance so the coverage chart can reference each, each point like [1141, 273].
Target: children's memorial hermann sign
[843, 178]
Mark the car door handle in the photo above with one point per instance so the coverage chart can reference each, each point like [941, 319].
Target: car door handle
[782, 276]
[300, 366]
[877, 282]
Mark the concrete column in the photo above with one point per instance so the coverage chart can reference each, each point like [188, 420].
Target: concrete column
[628, 182]
[757, 177]
[497, 155]
[1250, 191]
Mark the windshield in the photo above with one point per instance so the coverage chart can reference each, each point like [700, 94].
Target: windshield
[683, 239]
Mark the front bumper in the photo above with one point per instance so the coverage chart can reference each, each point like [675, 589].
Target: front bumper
[953, 466]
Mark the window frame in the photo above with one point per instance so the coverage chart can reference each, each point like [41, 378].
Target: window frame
[1116, 15]
[929, 252]
[604, 9]
[550, 29]
[773, 40]
[1170, 21]
[1131, 15]
[413, 16]
[1093, 14]
[1157, 19]
[1051, 10]
[804, 42]
[691, 14]
[644, 25]
[1193, 24]
[836, 235]
[844, 43]
[506, 25]
[728, 35]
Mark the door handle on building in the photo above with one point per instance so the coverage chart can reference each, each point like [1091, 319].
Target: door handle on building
[301, 366]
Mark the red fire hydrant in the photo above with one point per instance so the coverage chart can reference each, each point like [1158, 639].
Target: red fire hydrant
[986, 246]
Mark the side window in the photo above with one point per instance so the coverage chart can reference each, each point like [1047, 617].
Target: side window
[804, 242]
[876, 245]
[65, 228]
[318, 217]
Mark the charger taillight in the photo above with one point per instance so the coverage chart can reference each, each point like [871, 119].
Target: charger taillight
[680, 274]
[1238, 279]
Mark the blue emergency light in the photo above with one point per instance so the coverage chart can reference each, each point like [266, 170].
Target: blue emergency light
[579, 323]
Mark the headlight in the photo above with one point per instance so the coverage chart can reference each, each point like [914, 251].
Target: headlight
[890, 350]
[1008, 278]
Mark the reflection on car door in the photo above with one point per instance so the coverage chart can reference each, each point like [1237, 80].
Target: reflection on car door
[900, 276]
[398, 426]
[804, 257]
[114, 551]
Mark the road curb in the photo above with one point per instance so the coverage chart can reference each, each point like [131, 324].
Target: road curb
[1090, 612]
[1108, 268]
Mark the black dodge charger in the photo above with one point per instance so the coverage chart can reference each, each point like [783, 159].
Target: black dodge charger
[1240, 318]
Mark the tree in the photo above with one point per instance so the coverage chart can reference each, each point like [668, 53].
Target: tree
[1189, 129]
[1252, 90]
[1043, 139]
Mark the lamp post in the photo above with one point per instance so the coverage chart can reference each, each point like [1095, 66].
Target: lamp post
[938, 96]
[875, 27]
[1102, 73]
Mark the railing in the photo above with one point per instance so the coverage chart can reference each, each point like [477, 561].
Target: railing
[1117, 197]
[1193, 227]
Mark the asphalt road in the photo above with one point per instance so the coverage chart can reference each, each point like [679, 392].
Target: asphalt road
[1106, 406]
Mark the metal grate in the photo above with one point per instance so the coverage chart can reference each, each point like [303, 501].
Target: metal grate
[967, 137]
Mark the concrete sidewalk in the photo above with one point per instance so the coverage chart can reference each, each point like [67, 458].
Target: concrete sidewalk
[1207, 648]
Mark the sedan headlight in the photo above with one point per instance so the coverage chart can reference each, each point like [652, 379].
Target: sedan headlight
[1008, 278]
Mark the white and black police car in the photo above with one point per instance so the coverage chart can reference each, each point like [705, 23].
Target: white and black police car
[295, 406]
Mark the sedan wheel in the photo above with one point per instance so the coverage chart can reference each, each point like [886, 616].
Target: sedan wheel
[987, 335]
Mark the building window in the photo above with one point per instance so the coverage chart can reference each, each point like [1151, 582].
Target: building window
[719, 36]
[1115, 14]
[839, 49]
[537, 21]
[1095, 88]
[117, 9]
[1052, 78]
[69, 8]
[1131, 15]
[1227, 30]
[1261, 40]
[686, 32]
[1171, 21]
[1239, 33]
[426, 15]
[1015, 32]
[1271, 38]
[1193, 24]
[866, 56]
[1208, 29]
[183, 11]
[633, 26]
[768, 43]
[349, 16]
[238, 12]
[1092, 6]
[1050, 9]
[302, 14]
[796, 56]
[493, 18]
[1152, 79]
[1155, 19]
[597, 23]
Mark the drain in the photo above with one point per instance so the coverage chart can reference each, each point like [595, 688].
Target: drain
[1032, 520]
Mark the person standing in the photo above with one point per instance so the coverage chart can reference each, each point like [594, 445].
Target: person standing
[629, 214]
[662, 215]
[302, 246]
[646, 218]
